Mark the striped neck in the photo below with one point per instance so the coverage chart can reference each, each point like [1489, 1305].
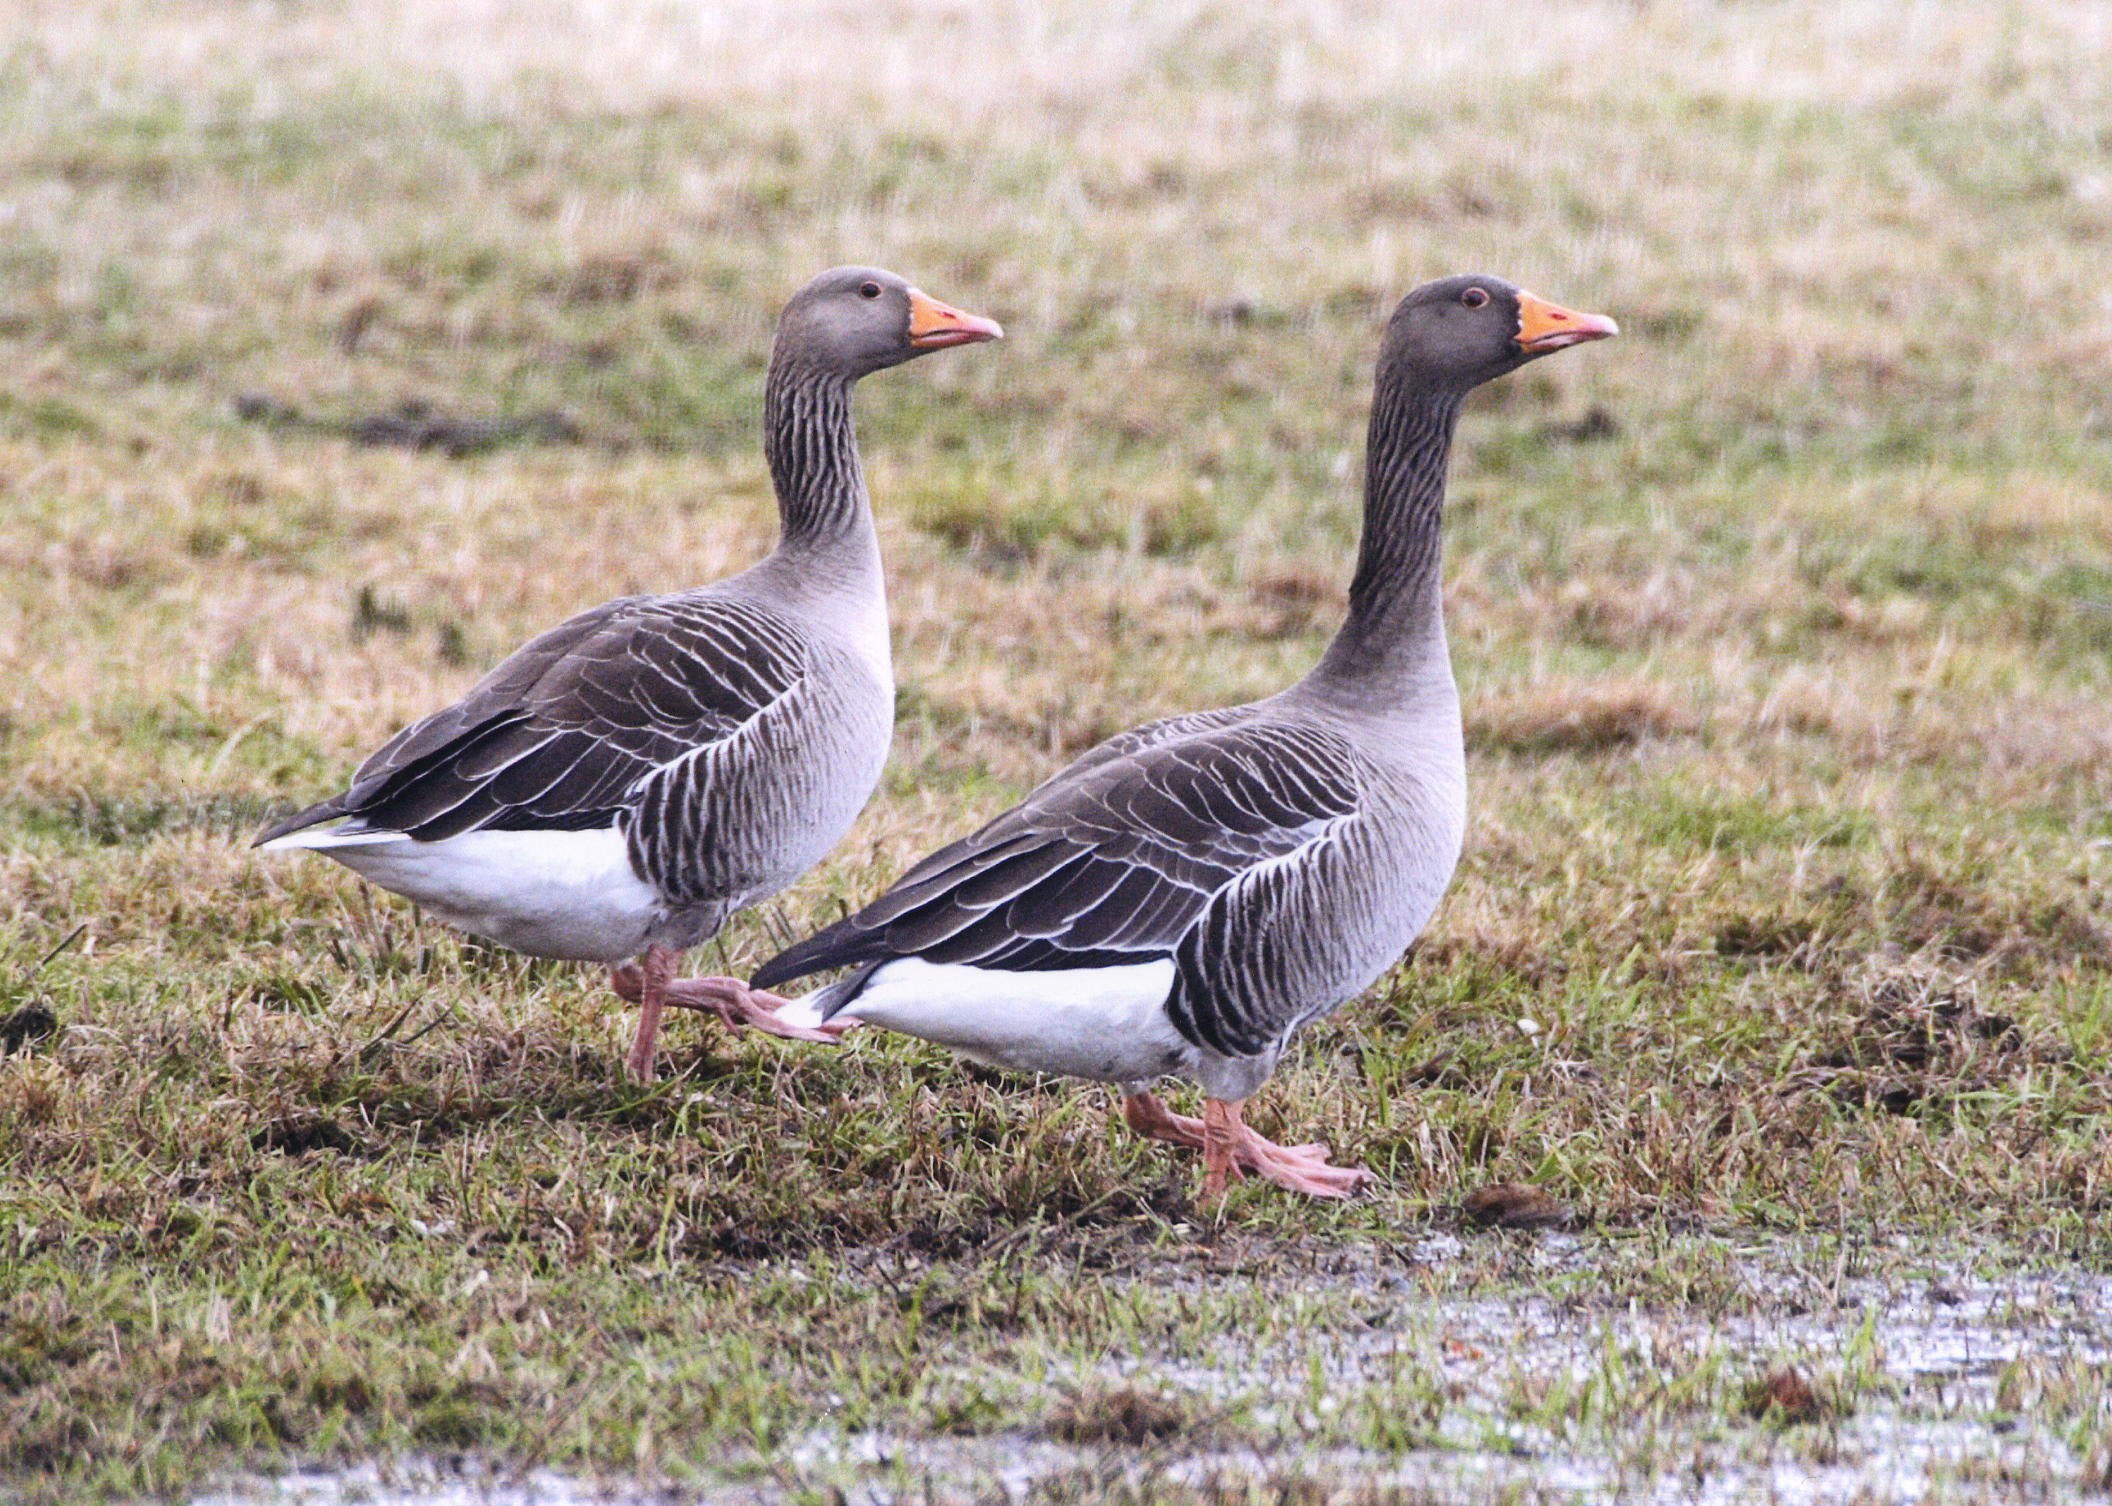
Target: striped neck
[1395, 632]
[812, 448]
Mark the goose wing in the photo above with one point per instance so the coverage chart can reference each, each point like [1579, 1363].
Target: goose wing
[1170, 848]
[559, 736]
[1150, 735]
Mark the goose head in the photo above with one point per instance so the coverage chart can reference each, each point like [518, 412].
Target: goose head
[1458, 332]
[853, 321]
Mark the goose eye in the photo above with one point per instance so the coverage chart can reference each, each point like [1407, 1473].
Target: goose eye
[1474, 298]
[869, 290]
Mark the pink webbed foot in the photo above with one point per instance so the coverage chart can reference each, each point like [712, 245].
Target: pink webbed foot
[1144, 1113]
[731, 1000]
[1301, 1168]
[737, 1004]
[1231, 1149]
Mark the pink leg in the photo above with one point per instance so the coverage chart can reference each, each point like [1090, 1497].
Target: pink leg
[1230, 1149]
[1220, 1147]
[652, 980]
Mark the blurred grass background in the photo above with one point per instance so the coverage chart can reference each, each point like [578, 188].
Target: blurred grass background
[1784, 625]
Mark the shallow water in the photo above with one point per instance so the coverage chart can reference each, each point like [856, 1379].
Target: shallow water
[422, 1481]
[1949, 1360]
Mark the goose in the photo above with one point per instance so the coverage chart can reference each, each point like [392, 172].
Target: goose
[1185, 897]
[625, 783]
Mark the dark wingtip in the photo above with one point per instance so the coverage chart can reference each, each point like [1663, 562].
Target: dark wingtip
[785, 967]
[276, 830]
[833, 946]
[299, 820]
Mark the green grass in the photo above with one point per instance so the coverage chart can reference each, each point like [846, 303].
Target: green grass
[1781, 952]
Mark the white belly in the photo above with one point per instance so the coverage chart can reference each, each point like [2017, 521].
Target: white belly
[566, 894]
[1104, 1023]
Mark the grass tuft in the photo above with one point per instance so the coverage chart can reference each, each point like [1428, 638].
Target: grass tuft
[1786, 1397]
[1571, 716]
[1124, 1416]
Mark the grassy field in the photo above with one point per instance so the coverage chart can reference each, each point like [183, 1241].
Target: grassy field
[1781, 955]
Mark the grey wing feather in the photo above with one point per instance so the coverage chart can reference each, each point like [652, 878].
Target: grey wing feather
[986, 843]
[507, 685]
[1146, 852]
[562, 733]
[1136, 739]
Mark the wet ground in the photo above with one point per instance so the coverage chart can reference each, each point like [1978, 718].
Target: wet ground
[1824, 1372]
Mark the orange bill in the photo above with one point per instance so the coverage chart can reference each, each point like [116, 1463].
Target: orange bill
[934, 325]
[1544, 326]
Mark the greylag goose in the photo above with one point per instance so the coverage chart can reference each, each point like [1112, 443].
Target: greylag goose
[1188, 895]
[626, 782]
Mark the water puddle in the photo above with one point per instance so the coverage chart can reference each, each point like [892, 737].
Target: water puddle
[421, 1481]
[1946, 1383]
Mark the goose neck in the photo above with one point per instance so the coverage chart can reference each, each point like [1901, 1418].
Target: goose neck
[1395, 630]
[812, 447]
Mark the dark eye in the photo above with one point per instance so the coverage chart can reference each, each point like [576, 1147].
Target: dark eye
[1474, 298]
[869, 290]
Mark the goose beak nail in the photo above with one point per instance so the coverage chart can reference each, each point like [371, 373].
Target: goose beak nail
[1544, 326]
[934, 325]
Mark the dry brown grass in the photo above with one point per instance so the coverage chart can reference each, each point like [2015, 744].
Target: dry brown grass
[1580, 716]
